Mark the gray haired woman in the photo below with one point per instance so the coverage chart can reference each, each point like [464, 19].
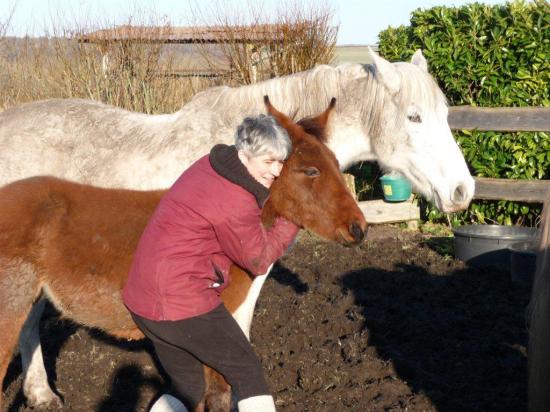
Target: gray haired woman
[208, 220]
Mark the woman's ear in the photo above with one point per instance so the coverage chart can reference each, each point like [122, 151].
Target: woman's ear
[242, 157]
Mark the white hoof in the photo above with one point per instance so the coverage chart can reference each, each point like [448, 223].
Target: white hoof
[42, 398]
[167, 403]
[262, 403]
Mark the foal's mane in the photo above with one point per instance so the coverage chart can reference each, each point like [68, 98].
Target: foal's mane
[305, 93]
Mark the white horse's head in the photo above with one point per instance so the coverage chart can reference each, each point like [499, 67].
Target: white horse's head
[413, 135]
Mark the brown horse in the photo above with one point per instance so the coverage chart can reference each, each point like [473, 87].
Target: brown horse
[539, 330]
[73, 244]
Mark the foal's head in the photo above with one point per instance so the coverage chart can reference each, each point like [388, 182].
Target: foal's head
[311, 191]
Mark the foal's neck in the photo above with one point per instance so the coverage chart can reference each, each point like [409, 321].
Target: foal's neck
[269, 214]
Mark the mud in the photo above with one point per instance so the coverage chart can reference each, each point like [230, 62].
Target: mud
[395, 324]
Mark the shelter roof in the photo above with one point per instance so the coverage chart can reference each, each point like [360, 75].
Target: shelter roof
[196, 34]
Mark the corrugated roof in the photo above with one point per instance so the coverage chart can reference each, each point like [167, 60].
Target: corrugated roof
[198, 34]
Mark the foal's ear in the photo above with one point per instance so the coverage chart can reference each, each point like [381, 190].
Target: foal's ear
[286, 122]
[317, 126]
[272, 111]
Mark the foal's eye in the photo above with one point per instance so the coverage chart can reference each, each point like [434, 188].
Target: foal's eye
[312, 172]
[415, 118]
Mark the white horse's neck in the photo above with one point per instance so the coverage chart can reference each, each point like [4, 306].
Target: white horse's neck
[349, 142]
[300, 95]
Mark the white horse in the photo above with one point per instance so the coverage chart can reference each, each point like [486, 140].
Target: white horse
[393, 113]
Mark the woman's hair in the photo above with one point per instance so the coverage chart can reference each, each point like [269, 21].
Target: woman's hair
[261, 135]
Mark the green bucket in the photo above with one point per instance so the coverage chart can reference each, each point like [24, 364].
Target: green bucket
[396, 188]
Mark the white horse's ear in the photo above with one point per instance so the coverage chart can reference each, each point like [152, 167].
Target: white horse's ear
[419, 60]
[386, 72]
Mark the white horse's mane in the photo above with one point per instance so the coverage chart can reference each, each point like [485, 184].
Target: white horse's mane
[304, 93]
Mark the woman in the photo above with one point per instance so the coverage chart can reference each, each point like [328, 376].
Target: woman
[209, 219]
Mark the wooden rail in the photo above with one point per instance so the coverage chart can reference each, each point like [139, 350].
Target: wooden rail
[500, 119]
[510, 119]
[379, 211]
[531, 191]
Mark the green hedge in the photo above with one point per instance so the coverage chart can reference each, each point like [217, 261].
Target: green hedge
[487, 56]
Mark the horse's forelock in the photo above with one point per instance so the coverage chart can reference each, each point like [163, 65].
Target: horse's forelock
[416, 86]
[314, 128]
[317, 126]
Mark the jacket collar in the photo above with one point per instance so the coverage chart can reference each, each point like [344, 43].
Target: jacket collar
[225, 161]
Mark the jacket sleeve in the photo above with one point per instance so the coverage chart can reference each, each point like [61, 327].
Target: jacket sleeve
[247, 243]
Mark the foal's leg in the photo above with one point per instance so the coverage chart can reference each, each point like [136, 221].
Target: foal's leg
[217, 395]
[18, 290]
[35, 380]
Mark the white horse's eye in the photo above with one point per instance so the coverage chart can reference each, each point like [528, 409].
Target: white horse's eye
[415, 118]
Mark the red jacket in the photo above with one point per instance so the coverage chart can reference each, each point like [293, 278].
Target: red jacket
[201, 226]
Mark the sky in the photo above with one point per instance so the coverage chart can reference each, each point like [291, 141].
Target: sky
[359, 21]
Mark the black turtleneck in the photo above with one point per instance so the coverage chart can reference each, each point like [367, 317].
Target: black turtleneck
[225, 161]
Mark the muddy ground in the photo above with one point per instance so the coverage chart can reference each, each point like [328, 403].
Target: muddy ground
[392, 325]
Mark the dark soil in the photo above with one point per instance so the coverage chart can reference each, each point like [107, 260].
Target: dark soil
[392, 325]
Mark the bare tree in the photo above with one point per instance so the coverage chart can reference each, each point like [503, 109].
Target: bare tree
[5, 23]
[110, 66]
[256, 45]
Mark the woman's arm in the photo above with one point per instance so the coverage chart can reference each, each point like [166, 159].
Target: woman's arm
[247, 243]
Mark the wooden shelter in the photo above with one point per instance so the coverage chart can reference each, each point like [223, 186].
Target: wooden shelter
[252, 38]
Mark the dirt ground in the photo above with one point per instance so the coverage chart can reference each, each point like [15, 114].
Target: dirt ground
[392, 325]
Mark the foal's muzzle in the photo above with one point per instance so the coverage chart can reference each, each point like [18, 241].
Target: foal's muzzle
[356, 232]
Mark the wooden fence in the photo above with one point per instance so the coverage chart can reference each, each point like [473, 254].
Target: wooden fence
[509, 119]
[505, 119]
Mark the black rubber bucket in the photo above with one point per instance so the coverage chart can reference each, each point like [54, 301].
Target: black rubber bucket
[523, 262]
[485, 246]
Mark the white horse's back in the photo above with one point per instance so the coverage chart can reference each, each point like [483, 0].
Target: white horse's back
[91, 142]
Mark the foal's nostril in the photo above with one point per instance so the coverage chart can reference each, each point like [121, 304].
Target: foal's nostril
[460, 193]
[356, 231]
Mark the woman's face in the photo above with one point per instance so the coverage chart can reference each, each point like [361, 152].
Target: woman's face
[264, 168]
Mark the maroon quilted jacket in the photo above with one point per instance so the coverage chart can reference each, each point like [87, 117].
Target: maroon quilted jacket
[207, 220]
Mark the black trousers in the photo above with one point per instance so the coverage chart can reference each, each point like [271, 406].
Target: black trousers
[214, 339]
